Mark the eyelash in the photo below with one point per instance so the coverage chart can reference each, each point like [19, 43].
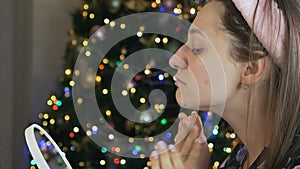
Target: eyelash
[197, 50]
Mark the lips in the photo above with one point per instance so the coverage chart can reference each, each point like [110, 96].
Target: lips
[178, 81]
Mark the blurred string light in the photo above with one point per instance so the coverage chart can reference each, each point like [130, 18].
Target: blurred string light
[55, 103]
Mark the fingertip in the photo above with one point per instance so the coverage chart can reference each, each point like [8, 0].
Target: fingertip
[154, 155]
[182, 115]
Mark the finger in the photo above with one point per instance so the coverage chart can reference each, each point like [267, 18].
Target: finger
[187, 144]
[183, 127]
[297, 167]
[154, 160]
[164, 158]
[199, 155]
[196, 132]
[175, 158]
[193, 132]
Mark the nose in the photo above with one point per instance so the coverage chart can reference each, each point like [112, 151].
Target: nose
[178, 60]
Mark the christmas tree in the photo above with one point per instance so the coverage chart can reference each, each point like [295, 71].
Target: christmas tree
[75, 138]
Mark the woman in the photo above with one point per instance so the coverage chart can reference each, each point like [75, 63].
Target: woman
[261, 59]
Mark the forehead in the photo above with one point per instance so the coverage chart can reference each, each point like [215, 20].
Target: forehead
[208, 19]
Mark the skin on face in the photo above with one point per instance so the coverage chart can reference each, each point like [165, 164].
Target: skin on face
[206, 75]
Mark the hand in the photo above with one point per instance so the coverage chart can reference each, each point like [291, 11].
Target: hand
[191, 149]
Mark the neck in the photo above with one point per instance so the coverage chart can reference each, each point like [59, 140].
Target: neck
[250, 125]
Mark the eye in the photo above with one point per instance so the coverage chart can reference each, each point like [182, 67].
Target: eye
[197, 51]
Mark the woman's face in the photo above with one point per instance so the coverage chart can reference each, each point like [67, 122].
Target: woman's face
[206, 75]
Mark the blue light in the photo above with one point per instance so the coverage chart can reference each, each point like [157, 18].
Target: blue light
[162, 9]
[169, 135]
[135, 152]
[95, 132]
[67, 90]
[161, 77]
[32, 162]
[43, 144]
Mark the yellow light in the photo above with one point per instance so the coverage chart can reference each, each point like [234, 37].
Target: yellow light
[32, 167]
[45, 123]
[131, 140]
[68, 72]
[53, 98]
[105, 91]
[92, 16]
[86, 6]
[142, 100]
[72, 32]
[77, 72]
[41, 115]
[108, 112]
[79, 100]
[65, 149]
[88, 133]
[153, 5]
[165, 40]
[85, 42]
[232, 135]
[46, 116]
[106, 21]
[122, 26]
[123, 162]
[88, 53]
[186, 16]
[139, 34]
[216, 163]
[84, 13]
[132, 90]
[105, 61]
[149, 163]
[142, 28]
[209, 113]
[102, 162]
[210, 145]
[81, 164]
[179, 6]
[98, 78]
[74, 42]
[126, 66]
[147, 72]
[151, 139]
[52, 121]
[72, 83]
[158, 1]
[124, 93]
[67, 117]
[76, 129]
[112, 24]
[166, 75]
[122, 57]
[117, 149]
[49, 102]
[142, 156]
[192, 11]
[157, 40]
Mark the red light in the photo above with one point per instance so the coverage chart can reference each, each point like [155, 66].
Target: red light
[72, 135]
[54, 107]
[117, 161]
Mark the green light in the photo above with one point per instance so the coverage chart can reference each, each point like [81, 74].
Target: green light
[32, 162]
[163, 121]
[138, 148]
[59, 103]
[118, 63]
[103, 150]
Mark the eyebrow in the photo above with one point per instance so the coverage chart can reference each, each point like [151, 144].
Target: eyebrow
[192, 31]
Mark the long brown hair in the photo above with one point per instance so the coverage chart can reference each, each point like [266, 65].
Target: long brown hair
[284, 82]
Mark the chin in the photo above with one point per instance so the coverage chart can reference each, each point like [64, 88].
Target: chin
[190, 103]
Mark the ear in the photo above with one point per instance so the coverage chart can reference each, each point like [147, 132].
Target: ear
[253, 71]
